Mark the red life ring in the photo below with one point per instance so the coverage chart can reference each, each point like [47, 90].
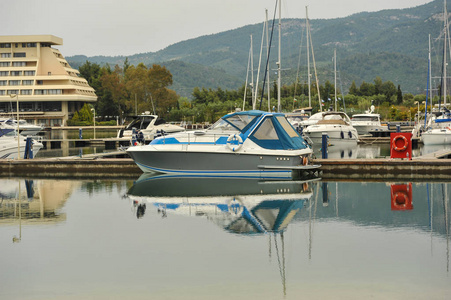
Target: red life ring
[404, 147]
[400, 199]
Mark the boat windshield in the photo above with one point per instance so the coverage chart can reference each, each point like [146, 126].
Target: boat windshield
[234, 122]
[141, 122]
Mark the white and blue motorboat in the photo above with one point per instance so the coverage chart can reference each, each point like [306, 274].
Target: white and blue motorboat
[242, 144]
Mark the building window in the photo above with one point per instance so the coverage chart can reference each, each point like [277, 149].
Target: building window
[11, 92]
[39, 82]
[14, 82]
[31, 45]
[16, 73]
[29, 73]
[19, 64]
[4, 64]
[19, 54]
[25, 92]
[27, 82]
[4, 73]
[5, 55]
[40, 92]
[54, 92]
[3, 82]
[2, 92]
[5, 45]
[49, 73]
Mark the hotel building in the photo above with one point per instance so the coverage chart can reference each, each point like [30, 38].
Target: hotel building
[49, 91]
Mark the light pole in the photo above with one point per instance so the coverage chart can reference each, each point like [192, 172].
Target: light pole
[94, 111]
[18, 139]
[418, 110]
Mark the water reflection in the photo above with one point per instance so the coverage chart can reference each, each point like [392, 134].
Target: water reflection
[196, 238]
[243, 206]
[33, 202]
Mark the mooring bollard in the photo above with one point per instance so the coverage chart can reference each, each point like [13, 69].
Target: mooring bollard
[80, 133]
[28, 153]
[324, 145]
[133, 136]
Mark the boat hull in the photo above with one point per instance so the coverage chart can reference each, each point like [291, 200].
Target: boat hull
[218, 164]
[335, 135]
[436, 137]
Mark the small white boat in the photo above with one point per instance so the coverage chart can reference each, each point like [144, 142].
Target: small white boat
[242, 144]
[10, 148]
[336, 125]
[436, 136]
[149, 125]
[367, 122]
[25, 128]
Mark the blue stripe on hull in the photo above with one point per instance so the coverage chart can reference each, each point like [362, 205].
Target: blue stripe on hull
[267, 174]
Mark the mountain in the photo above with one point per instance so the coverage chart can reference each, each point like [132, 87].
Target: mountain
[392, 44]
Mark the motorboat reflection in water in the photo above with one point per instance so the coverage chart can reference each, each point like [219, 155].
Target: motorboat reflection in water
[243, 206]
[149, 125]
[242, 144]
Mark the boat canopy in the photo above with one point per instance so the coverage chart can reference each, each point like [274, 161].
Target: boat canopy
[272, 131]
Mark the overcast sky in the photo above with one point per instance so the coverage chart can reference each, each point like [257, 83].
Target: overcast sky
[126, 27]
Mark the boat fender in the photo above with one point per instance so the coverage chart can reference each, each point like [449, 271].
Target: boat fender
[304, 161]
[234, 142]
[405, 143]
[342, 135]
[350, 134]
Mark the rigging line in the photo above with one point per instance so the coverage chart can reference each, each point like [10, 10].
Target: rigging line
[299, 66]
[247, 75]
[341, 87]
[267, 59]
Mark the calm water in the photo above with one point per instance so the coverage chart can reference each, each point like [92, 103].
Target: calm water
[183, 238]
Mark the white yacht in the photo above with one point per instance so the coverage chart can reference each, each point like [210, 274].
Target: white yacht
[10, 148]
[149, 125]
[367, 122]
[242, 144]
[337, 125]
[25, 128]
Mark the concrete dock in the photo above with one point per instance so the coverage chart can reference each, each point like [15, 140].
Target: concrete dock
[100, 166]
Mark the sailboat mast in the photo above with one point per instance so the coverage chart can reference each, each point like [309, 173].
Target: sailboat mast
[252, 68]
[267, 65]
[445, 19]
[308, 58]
[430, 73]
[335, 73]
[279, 62]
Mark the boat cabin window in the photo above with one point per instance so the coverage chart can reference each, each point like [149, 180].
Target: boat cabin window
[287, 127]
[266, 131]
[367, 118]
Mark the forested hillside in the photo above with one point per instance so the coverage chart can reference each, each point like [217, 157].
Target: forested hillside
[391, 44]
